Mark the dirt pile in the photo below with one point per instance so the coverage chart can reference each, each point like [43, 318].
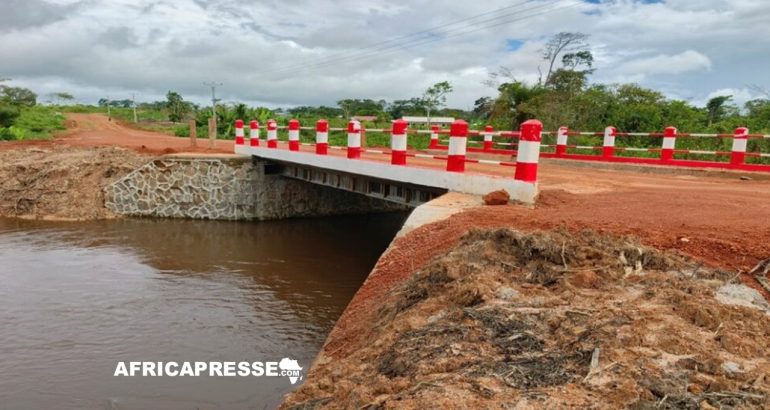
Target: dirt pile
[60, 182]
[556, 320]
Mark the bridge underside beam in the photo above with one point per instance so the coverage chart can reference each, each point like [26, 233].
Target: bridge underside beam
[400, 193]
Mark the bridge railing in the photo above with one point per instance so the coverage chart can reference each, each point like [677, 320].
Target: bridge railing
[739, 150]
[527, 152]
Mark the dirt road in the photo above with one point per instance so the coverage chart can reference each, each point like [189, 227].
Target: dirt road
[96, 130]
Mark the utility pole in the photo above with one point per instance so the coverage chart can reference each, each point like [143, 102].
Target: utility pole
[133, 103]
[214, 98]
[109, 111]
[213, 119]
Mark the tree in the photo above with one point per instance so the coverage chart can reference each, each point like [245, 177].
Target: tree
[716, 108]
[62, 96]
[8, 115]
[435, 97]
[347, 106]
[758, 114]
[567, 82]
[510, 109]
[17, 96]
[412, 106]
[483, 107]
[177, 106]
[564, 42]
[354, 106]
[581, 58]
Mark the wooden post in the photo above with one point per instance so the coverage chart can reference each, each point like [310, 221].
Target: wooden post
[213, 132]
[193, 134]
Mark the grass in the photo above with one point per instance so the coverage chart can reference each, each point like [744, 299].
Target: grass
[38, 122]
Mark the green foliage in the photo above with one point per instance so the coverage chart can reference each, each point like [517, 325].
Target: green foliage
[177, 107]
[61, 97]
[353, 106]
[412, 106]
[34, 123]
[307, 112]
[125, 103]
[718, 107]
[226, 117]
[435, 96]
[8, 114]
[17, 96]
[572, 46]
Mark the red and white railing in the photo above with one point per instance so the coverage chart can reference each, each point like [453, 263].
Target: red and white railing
[510, 143]
[526, 162]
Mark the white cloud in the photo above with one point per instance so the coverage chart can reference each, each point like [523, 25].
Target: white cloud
[740, 95]
[683, 62]
[319, 51]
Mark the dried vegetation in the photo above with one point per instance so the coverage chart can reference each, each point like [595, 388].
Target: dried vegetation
[554, 320]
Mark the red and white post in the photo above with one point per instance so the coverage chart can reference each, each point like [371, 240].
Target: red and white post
[561, 141]
[293, 135]
[669, 143]
[354, 139]
[488, 133]
[322, 137]
[398, 142]
[528, 155]
[254, 133]
[434, 131]
[740, 142]
[608, 148]
[458, 140]
[272, 134]
[239, 132]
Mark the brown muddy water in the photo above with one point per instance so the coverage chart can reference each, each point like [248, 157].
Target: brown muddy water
[77, 298]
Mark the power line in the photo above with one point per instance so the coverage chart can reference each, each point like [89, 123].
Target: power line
[450, 34]
[414, 34]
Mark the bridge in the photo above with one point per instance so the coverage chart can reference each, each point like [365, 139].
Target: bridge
[402, 180]
[412, 177]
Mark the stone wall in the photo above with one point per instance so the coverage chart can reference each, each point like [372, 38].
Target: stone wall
[229, 188]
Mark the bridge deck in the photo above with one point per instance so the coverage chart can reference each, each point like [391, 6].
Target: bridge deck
[425, 172]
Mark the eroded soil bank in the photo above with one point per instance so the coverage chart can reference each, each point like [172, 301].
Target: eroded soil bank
[559, 319]
[59, 182]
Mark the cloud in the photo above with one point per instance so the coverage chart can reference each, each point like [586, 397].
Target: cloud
[301, 52]
[683, 62]
[21, 14]
[740, 96]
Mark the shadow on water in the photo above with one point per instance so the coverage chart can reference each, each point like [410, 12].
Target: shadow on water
[76, 298]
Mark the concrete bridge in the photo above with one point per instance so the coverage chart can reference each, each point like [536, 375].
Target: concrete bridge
[272, 179]
[395, 175]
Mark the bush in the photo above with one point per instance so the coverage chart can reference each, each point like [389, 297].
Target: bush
[34, 123]
[182, 131]
[8, 114]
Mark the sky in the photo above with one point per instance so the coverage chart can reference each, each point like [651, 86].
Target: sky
[313, 52]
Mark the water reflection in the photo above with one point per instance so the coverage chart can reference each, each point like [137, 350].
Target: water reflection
[75, 298]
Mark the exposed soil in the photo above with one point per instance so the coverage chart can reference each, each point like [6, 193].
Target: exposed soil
[59, 182]
[550, 320]
[96, 130]
[63, 178]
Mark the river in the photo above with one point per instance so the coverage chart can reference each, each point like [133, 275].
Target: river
[77, 298]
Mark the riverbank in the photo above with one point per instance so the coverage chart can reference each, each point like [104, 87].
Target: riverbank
[56, 182]
[506, 307]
